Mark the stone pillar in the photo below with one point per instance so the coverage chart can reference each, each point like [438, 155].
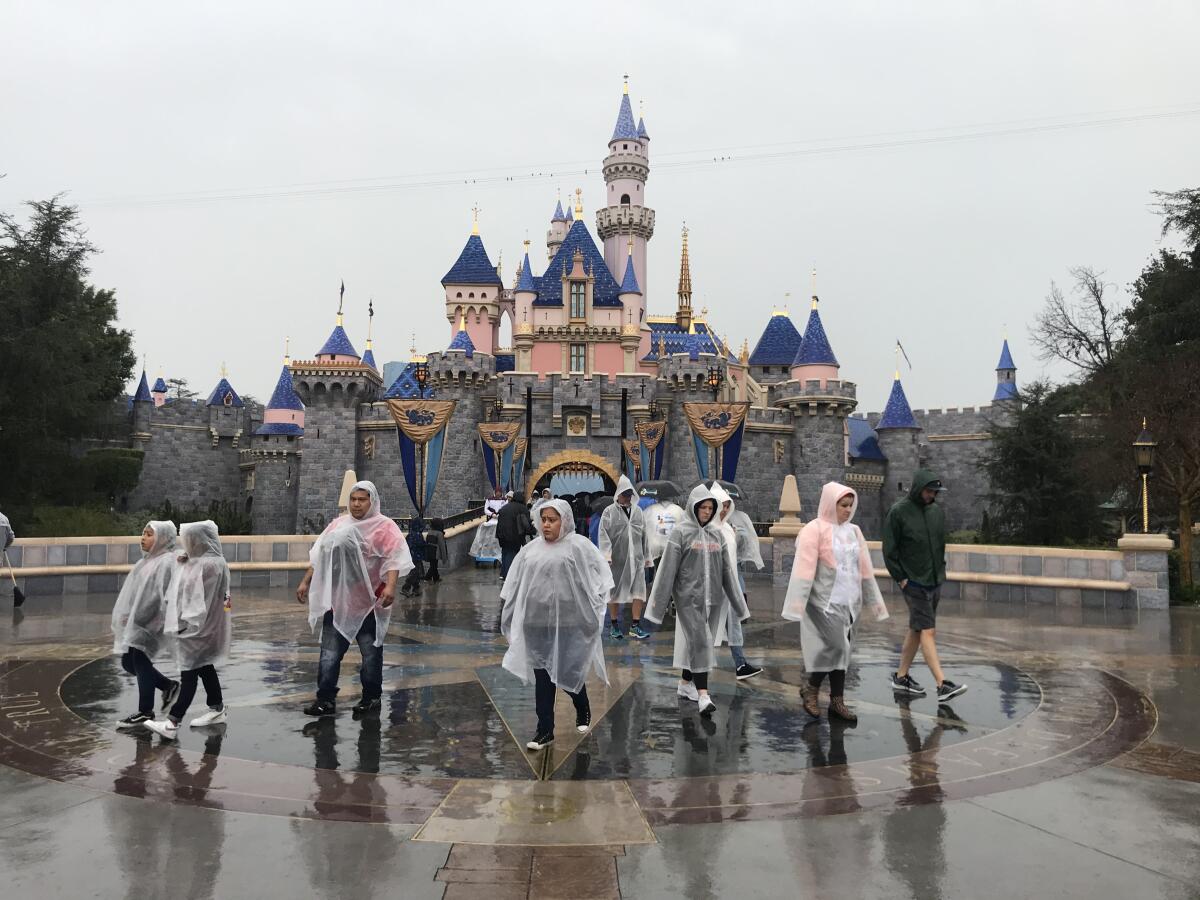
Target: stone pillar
[784, 531]
[1146, 568]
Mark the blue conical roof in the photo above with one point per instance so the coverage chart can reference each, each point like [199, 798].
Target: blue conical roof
[472, 266]
[629, 284]
[604, 289]
[558, 213]
[284, 396]
[143, 390]
[338, 344]
[368, 359]
[526, 281]
[897, 413]
[462, 341]
[1006, 360]
[814, 349]
[220, 392]
[570, 213]
[642, 133]
[778, 344]
[1005, 390]
[625, 129]
[160, 386]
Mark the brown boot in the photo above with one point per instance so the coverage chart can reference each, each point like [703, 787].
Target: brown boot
[809, 694]
[839, 709]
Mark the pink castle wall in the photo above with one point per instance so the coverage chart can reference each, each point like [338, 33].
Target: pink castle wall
[546, 358]
[822, 373]
[609, 358]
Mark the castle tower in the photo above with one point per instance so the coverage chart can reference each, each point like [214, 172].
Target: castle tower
[772, 358]
[226, 412]
[473, 289]
[558, 231]
[814, 357]
[683, 308]
[143, 404]
[898, 433]
[368, 357]
[274, 459]
[630, 296]
[524, 296]
[159, 391]
[1006, 376]
[626, 169]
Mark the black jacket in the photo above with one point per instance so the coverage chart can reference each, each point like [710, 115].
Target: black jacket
[513, 525]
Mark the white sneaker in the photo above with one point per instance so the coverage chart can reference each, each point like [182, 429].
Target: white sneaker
[210, 717]
[165, 728]
[688, 691]
[707, 707]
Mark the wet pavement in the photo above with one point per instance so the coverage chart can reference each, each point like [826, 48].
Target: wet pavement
[1070, 768]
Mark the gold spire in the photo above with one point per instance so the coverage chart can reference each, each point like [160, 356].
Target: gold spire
[475, 218]
[897, 360]
[578, 203]
[815, 301]
[625, 88]
[287, 350]
[685, 271]
[744, 356]
[812, 280]
[630, 244]
[462, 321]
[224, 371]
[526, 245]
[662, 346]
[412, 350]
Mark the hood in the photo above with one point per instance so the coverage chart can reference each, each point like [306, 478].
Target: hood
[370, 488]
[200, 539]
[699, 494]
[830, 495]
[623, 485]
[563, 508]
[722, 496]
[164, 537]
[921, 480]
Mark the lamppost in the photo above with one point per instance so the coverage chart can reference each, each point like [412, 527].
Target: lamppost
[1143, 455]
[497, 408]
[715, 378]
[421, 374]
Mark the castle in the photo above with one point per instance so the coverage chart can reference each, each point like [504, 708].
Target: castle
[586, 364]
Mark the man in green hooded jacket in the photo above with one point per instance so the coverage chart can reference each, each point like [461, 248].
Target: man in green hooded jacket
[914, 551]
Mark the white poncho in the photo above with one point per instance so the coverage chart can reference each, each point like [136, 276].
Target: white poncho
[661, 519]
[350, 561]
[199, 611]
[139, 615]
[554, 601]
[623, 544]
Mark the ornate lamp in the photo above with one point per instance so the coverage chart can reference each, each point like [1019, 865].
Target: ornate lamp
[714, 380]
[1143, 455]
[421, 374]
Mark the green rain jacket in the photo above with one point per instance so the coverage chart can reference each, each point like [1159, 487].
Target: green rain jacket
[914, 537]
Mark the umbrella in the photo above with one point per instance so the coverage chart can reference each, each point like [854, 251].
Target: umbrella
[18, 594]
[730, 488]
[661, 490]
[600, 503]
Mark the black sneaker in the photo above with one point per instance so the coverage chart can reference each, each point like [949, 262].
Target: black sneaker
[365, 707]
[540, 742]
[137, 720]
[170, 695]
[583, 721]
[948, 689]
[745, 670]
[320, 708]
[907, 684]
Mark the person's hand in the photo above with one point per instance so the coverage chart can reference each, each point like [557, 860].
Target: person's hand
[904, 584]
[302, 592]
[387, 596]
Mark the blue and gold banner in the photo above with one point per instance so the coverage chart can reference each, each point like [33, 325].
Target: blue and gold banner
[421, 426]
[633, 458]
[497, 441]
[653, 438]
[719, 426]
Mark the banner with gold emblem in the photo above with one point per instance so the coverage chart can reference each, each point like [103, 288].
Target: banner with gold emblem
[719, 426]
[421, 425]
[497, 440]
[633, 458]
[653, 446]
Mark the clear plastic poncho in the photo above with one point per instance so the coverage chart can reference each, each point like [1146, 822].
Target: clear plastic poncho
[623, 544]
[199, 611]
[554, 600]
[139, 615]
[485, 547]
[695, 570]
[729, 629]
[661, 519]
[350, 561]
[832, 578]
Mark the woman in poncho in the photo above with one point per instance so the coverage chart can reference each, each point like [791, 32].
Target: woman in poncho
[350, 587]
[741, 542]
[623, 542]
[695, 570]
[200, 615]
[832, 579]
[553, 615]
[138, 618]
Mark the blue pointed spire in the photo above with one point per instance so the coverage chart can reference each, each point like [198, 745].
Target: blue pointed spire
[338, 344]
[897, 413]
[641, 131]
[220, 392]
[625, 128]
[629, 284]
[284, 396]
[558, 216]
[778, 344]
[368, 359]
[462, 341]
[472, 266]
[570, 214]
[525, 282]
[143, 390]
[1006, 360]
[160, 386]
[814, 349]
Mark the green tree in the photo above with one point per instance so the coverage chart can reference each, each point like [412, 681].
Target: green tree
[1036, 464]
[63, 362]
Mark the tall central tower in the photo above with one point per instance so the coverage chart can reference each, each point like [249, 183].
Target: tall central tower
[626, 215]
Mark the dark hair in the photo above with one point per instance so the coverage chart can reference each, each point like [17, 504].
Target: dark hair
[518, 497]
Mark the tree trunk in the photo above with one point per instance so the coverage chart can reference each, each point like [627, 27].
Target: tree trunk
[1185, 543]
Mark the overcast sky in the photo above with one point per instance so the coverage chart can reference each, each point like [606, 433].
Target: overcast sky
[938, 162]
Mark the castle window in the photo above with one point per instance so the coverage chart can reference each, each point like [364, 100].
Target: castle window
[624, 146]
[484, 295]
[578, 357]
[578, 297]
[459, 295]
[471, 295]
[624, 199]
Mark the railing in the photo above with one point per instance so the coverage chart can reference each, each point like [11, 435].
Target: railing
[763, 529]
[468, 515]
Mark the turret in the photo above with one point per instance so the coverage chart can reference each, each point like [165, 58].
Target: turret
[1006, 376]
[275, 456]
[558, 230]
[524, 296]
[772, 358]
[898, 433]
[159, 391]
[473, 289]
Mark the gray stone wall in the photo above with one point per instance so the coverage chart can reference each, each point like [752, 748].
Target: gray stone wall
[818, 454]
[276, 468]
[901, 446]
[330, 437]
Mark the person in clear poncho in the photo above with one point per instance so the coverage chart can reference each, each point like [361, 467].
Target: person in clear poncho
[485, 547]
[138, 619]
[350, 587]
[200, 615]
[623, 543]
[695, 571]
[741, 541]
[833, 578]
[553, 615]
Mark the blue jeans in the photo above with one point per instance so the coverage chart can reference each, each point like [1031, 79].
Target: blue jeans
[333, 649]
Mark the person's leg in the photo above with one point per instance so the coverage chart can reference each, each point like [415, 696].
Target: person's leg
[614, 616]
[739, 657]
[810, 692]
[127, 662]
[837, 699]
[432, 573]
[908, 651]
[816, 678]
[333, 648]
[544, 701]
[212, 687]
[701, 681]
[187, 691]
[583, 707]
[149, 679]
[837, 683]
[686, 675]
[507, 555]
[930, 655]
[370, 673]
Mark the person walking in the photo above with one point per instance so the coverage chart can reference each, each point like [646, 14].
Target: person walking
[350, 587]
[513, 527]
[138, 621]
[737, 544]
[914, 551]
[694, 570]
[200, 615]
[553, 616]
[436, 549]
[832, 579]
[416, 551]
[623, 544]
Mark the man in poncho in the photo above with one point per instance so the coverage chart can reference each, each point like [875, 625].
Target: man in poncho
[833, 578]
[695, 570]
[513, 528]
[623, 543]
[200, 615]
[138, 620]
[350, 587]
[553, 616]
[741, 543]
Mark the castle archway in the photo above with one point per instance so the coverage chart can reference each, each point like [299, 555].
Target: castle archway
[576, 461]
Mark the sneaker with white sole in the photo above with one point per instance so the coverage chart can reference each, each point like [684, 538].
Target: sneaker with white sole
[209, 717]
[583, 721]
[688, 691]
[137, 720]
[540, 742]
[745, 670]
[906, 684]
[165, 728]
[707, 707]
[948, 689]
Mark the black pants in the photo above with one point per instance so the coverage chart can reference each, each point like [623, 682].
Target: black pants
[700, 679]
[149, 679]
[432, 573]
[544, 699]
[507, 555]
[412, 582]
[837, 681]
[187, 690]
